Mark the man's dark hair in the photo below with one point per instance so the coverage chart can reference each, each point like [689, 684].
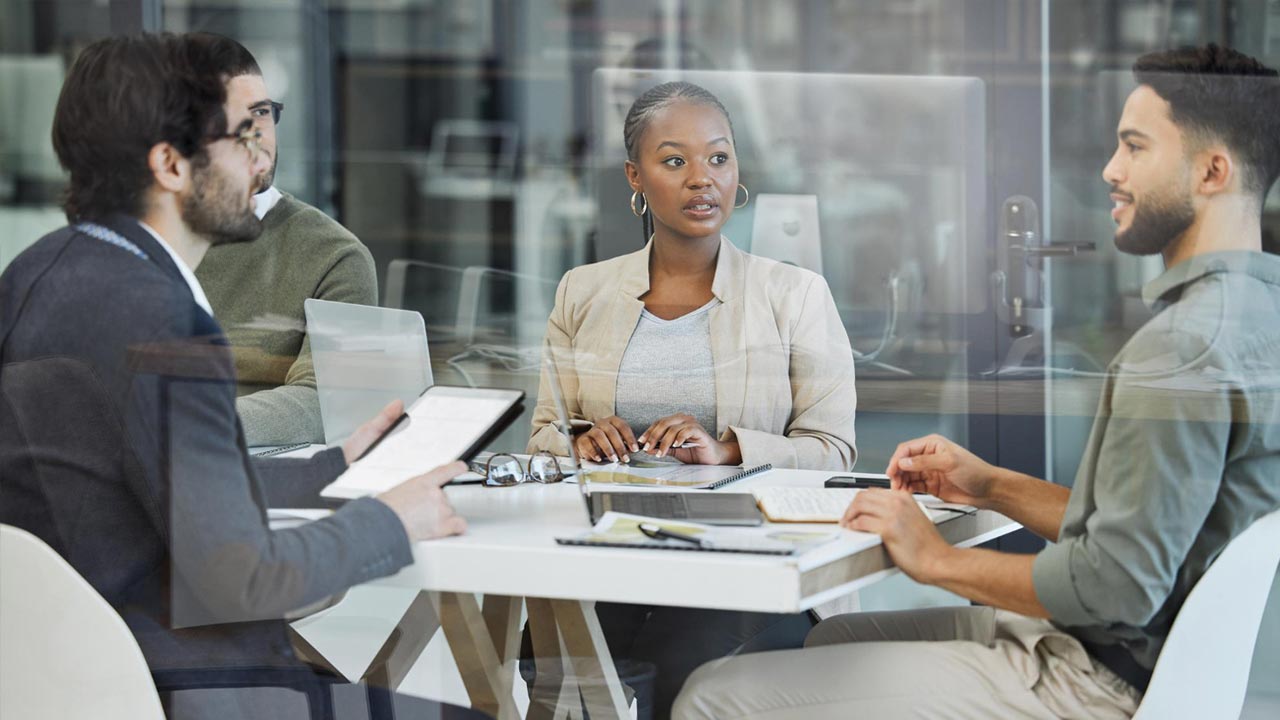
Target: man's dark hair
[1216, 93]
[123, 96]
[227, 58]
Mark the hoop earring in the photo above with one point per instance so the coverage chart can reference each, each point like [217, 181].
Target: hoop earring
[746, 196]
[643, 199]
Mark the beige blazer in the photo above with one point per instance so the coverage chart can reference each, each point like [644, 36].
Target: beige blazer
[783, 364]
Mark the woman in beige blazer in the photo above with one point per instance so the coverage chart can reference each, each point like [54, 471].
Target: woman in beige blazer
[745, 357]
[781, 363]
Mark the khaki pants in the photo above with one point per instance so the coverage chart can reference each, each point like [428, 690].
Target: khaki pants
[936, 663]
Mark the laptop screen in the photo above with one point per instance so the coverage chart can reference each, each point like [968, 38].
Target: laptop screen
[364, 357]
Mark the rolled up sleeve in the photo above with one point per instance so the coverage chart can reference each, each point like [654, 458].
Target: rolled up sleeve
[1149, 479]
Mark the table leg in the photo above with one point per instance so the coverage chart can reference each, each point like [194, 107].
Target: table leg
[502, 618]
[554, 695]
[405, 644]
[473, 650]
[308, 654]
[571, 696]
[593, 665]
[470, 641]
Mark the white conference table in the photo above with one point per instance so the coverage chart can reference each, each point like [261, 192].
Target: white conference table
[509, 555]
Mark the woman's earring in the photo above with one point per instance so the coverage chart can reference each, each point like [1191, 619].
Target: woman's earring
[643, 208]
[746, 195]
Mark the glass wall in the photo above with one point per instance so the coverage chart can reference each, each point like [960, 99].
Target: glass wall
[480, 143]
[1096, 296]
[475, 147]
[38, 40]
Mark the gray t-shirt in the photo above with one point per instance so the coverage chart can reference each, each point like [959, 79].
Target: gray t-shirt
[667, 368]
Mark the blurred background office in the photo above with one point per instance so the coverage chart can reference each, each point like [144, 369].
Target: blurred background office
[938, 161]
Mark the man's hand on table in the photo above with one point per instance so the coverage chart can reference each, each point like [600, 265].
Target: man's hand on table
[421, 504]
[939, 467]
[909, 535]
[931, 464]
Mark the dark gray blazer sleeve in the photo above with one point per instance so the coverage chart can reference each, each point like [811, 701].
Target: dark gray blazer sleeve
[297, 482]
[227, 565]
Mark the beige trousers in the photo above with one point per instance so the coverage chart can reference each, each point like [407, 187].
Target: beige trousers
[963, 662]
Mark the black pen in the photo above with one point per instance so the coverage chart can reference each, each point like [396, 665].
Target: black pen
[659, 532]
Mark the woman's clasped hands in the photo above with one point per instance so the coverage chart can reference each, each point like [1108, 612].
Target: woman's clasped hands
[679, 436]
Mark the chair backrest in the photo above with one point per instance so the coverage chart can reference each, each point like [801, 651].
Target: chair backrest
[64, 652]
[1203, 670]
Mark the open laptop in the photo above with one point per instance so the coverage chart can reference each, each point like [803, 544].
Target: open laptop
[364, 357]
[706, 507]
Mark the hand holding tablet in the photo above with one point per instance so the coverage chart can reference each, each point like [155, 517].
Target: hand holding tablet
[443, 425]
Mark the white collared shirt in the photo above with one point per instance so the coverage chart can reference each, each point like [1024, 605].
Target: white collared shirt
[196, 291]
[265, 200]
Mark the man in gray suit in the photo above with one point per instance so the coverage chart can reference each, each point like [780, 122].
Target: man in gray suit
[119, 441]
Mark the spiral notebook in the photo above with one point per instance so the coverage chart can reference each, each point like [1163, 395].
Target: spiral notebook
[694, 477]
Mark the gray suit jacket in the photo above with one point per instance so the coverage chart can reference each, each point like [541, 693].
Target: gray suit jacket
[120, 447]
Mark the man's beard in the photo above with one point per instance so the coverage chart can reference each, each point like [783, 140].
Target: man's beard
[1157, 221]
[266, 179]
[215, 210]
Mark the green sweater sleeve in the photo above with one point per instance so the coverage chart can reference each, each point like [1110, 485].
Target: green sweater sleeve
[291, 412]
[257, 290]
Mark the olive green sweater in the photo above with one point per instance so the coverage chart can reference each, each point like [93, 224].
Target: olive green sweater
[257, 290]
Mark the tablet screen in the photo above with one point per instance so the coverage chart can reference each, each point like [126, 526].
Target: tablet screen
[443, 425]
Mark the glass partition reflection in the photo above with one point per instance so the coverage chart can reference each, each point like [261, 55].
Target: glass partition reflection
[475, 149]
[1096, 301]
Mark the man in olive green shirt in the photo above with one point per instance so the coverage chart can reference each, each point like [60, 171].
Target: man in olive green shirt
[257, 289]
[1183, 456]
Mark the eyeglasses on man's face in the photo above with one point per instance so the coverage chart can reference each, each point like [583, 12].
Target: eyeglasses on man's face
[250, 139]
[269, 109]
[504, 470]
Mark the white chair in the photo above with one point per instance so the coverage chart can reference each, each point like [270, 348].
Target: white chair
[65, 652]
[1203, 670]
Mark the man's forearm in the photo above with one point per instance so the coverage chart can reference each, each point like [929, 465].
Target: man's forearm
[1035, 504]
[1001, 580]
[281, 416]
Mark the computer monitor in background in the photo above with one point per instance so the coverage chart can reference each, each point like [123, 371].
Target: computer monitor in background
[897, 165]
[787, 229]
[471, 159]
